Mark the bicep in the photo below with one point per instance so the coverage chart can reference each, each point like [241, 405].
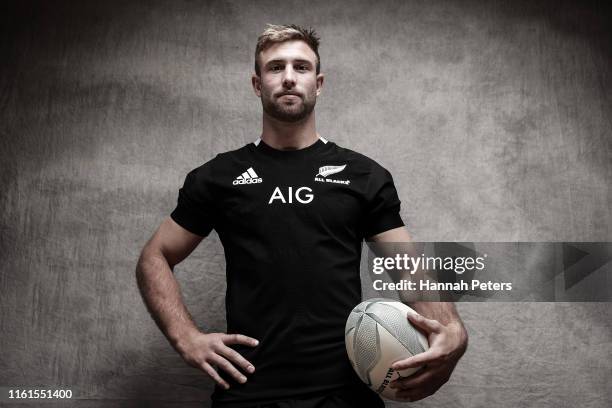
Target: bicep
[399, 234]
[174, 242]
[386, 244]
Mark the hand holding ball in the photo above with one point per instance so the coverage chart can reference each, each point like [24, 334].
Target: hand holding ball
[377, 334]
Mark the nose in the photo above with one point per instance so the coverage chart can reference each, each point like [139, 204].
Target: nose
[289, 77]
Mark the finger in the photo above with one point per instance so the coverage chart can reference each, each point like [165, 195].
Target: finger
[236, 358]
[420, 359]
[214, 375]
[415, 394]
[239, 339]
[228, 368]
[429, 325]
[414, 381]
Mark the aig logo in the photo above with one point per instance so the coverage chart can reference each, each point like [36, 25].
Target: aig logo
[300, 197]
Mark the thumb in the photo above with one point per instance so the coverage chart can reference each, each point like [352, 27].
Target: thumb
[428, 325]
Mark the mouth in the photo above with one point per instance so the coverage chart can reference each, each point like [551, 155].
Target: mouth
[289, 94]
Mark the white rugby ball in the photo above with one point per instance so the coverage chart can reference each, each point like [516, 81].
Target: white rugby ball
[377, 334]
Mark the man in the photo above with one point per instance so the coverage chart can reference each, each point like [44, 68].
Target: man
[291, 210]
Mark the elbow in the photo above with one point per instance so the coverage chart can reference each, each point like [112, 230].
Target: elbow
[150, 261]
[463, 337]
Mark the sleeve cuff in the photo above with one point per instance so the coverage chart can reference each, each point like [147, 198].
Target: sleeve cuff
[184, 220]
[384, 223]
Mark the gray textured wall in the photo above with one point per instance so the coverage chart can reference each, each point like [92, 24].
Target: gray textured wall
[494, 117]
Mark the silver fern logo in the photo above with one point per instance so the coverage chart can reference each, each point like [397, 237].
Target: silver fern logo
[329, 170]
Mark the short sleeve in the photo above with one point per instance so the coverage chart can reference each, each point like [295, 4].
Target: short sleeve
[195, 209]
[382, 203]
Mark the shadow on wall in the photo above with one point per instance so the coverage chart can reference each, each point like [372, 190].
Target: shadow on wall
[589, 19]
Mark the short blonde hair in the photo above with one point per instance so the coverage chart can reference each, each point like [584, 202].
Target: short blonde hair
[275, 34]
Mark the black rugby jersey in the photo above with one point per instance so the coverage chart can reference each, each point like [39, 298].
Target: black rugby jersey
[291, 223]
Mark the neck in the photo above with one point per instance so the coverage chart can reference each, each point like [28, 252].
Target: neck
[289, 136]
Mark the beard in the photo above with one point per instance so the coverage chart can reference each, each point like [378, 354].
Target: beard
[284, 112]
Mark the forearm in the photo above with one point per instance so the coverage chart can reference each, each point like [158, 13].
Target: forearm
[399, 241]
[161, 294]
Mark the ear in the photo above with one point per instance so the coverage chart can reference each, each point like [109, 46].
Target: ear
[256, 82]
[320, 79]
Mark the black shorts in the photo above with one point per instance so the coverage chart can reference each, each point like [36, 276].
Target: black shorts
[345, 398]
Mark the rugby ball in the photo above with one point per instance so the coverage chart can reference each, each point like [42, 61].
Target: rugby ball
[377, 334]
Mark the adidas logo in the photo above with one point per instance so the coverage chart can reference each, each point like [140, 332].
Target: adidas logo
[248, 177]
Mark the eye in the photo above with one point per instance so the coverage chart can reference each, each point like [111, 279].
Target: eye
[302, 67]
[275, 68]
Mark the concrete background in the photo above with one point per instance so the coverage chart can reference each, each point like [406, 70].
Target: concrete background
[494, 117]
